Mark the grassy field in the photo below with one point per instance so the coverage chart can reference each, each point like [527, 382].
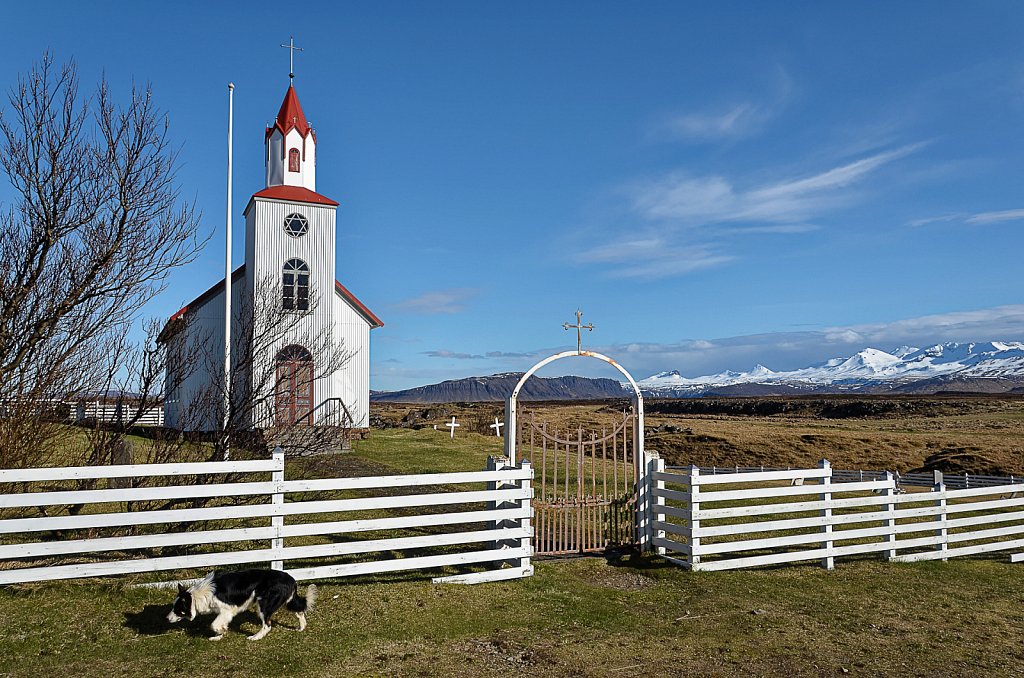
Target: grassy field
[623, 614]
[979, 434]
[578, 617]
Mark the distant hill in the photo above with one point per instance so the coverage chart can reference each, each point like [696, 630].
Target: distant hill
[950, 368]
[498, 387]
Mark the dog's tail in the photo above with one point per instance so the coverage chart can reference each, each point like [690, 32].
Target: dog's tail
[303, 604]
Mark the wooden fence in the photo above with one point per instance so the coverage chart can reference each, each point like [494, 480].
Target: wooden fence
[953, 481]
[749, 519]
[490, 519]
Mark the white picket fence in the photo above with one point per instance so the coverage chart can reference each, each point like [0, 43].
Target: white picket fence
[86, 411]
[773, 517]
[503, 508]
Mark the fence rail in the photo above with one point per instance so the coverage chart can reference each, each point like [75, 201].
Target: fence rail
[503, 509]
[751, 522]
[952, 480]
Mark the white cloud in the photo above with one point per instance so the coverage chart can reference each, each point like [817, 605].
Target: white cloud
[731, 121]
[791, 350]
[979, 218]
[996, 217]
[737, 121]
[652, 258]
[714, 200]
[694, 216]
[438, 302]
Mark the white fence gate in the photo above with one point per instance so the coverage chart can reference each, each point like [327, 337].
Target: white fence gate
[498, 503]
[772, 517]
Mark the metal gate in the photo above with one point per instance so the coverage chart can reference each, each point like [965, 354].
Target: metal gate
[585, 484]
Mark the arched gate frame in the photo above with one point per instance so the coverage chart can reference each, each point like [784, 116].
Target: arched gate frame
[639, 457]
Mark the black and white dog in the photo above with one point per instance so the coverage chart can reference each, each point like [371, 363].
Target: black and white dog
[231, 593]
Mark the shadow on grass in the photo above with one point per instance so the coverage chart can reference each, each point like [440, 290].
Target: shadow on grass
[631, 557]
[151, 621]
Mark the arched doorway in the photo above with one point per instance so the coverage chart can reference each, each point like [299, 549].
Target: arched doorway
[586, 480]
[293, 393]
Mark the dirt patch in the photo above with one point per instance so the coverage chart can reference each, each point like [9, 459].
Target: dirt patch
[621, 580]
[501, 650]
[963, 460]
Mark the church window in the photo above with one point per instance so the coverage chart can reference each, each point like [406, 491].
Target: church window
[293, 160]
[296, 225]
[295, 281]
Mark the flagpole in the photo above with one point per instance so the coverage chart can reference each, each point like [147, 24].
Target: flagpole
[227, 288]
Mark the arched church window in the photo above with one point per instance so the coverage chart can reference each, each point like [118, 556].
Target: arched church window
[293, 160]
[295, 225]
[295, 281]
[293, 400]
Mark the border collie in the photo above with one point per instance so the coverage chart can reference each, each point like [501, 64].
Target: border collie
[231, 593]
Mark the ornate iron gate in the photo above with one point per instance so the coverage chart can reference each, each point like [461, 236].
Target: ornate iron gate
[585, 484]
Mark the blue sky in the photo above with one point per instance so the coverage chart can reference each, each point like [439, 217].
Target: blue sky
[714, 184]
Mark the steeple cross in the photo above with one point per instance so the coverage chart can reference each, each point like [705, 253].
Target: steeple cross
[579, 327]
[292, 49]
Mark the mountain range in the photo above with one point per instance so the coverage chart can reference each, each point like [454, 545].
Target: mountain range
[981, 367]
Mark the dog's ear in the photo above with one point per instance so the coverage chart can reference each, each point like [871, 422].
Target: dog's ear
[181, 589]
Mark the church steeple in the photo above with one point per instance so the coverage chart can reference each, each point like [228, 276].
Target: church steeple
[291, 146]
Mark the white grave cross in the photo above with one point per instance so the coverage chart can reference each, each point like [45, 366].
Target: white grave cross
[497, 426]
[452, 425]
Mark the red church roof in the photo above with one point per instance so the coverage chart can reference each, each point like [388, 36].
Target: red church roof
[290, 116]
[296, 193]
[360, 307]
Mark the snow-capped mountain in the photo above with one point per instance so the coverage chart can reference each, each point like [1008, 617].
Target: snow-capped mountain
[866, 369]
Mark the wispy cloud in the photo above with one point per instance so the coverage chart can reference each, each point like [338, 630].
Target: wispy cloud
[653, 258]
[691, 218]
[490, 355]
[791, 350]
[714, 199]
[996, 217]
[978, 218]
[438, 302]
[727, 122]
[736, 121]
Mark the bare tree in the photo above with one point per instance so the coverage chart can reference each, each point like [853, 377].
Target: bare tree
[254, 420]
[96, 226]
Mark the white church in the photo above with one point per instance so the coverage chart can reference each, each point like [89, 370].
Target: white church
[289, 268]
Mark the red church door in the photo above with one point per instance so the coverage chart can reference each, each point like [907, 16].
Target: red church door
[294, 392]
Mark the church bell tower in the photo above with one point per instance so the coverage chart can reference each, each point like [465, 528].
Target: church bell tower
[291, 146]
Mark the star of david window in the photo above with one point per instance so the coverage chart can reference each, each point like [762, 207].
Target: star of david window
[296, 225]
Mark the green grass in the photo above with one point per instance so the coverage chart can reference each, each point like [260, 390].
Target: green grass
[595, 616]
[427, 450]
[579, 617]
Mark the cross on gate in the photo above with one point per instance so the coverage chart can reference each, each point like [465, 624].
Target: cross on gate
[292, 49]
[452, 425]
[579, 326]
[497, 426]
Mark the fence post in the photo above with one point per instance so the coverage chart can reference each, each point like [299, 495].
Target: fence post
[693, 508]
[525, 523]
[828, 562]
[655, 464]
[497, 464]
[277, 521]
[890, 522]
[940, 487]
